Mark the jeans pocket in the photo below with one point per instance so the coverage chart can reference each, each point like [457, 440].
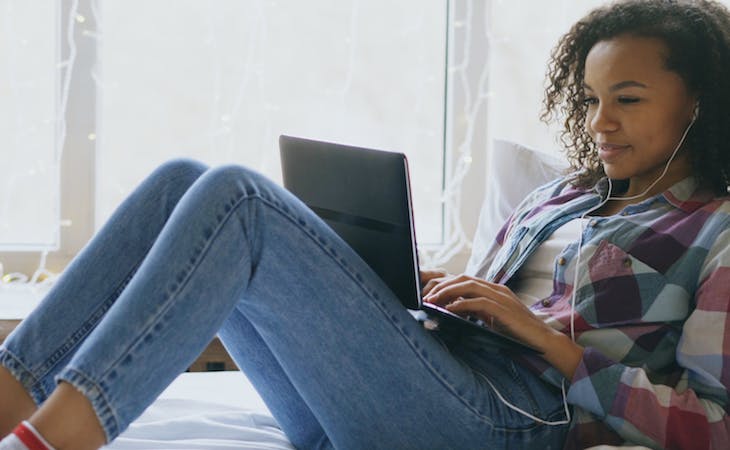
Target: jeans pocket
[522, 393]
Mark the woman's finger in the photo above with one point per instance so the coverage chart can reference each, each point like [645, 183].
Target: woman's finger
[505, 316]
[448, 281]
[449, 290]
[430, 274]
[428, 287]
[481, 307]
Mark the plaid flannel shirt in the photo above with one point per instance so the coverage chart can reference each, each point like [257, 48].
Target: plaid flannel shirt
[652, 312]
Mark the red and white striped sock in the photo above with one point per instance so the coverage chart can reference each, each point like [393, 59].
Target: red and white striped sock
[25, 437]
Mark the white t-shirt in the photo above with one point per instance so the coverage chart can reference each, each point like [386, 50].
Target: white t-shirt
[535, 277]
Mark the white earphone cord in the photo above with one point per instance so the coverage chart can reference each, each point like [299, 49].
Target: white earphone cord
[567, 419]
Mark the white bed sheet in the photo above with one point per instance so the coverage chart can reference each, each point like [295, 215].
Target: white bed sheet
[205, 411]
[211, 411]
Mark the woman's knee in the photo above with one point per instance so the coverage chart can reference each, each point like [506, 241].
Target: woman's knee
[222, 187]
[234, 179]
[171, 180]
[180, 169]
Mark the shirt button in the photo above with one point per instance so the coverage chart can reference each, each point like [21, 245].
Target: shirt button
[627, 262]
[561, 261]
[593, 223]
[625, 213]
[546, 302]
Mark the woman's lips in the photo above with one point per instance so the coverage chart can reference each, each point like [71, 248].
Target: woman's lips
[609, 152]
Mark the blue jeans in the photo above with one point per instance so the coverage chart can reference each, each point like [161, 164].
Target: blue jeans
[340, 363]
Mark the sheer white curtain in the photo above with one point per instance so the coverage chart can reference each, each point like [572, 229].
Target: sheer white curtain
[523, 32]
[29, 149]
[220, 80]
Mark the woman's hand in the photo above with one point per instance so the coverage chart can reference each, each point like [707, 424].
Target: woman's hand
[430, 278]
[496, 304]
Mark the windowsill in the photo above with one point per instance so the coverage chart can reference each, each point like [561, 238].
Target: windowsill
[16, 302]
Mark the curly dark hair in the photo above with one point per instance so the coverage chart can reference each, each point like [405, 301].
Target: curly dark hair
[697, 35]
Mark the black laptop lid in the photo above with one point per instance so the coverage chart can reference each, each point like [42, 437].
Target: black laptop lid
[363, 195]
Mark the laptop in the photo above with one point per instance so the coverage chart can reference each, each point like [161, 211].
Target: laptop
[364, 195]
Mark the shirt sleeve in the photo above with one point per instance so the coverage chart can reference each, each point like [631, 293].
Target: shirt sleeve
[690, 415]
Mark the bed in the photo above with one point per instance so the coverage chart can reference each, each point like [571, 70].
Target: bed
[206, 411]
[198, 412]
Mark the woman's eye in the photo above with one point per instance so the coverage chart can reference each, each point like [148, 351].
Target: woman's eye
[628, 100]
[590, 101]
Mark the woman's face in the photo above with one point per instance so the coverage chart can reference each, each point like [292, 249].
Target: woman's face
[637, 111]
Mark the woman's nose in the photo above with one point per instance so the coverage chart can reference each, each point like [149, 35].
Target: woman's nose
[603, 120]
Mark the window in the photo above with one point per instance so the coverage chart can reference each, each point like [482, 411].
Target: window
[219, 80]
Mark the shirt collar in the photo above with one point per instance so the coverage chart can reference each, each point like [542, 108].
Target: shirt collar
[686, 194]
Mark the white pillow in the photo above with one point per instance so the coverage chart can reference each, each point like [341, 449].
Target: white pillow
[513, 171]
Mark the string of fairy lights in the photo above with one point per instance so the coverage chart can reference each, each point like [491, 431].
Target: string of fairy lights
[456, 240]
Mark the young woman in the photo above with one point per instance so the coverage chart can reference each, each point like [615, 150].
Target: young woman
[618, 272]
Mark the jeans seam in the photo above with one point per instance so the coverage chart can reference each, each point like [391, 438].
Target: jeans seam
[79, 335]
[179, 285]
[23, 374]
[32, 379]
[519, 382]
[324, 442]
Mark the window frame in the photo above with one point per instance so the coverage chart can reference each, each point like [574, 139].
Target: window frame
[77, 180]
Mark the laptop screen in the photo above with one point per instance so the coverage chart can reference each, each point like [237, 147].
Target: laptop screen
[364, 196]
